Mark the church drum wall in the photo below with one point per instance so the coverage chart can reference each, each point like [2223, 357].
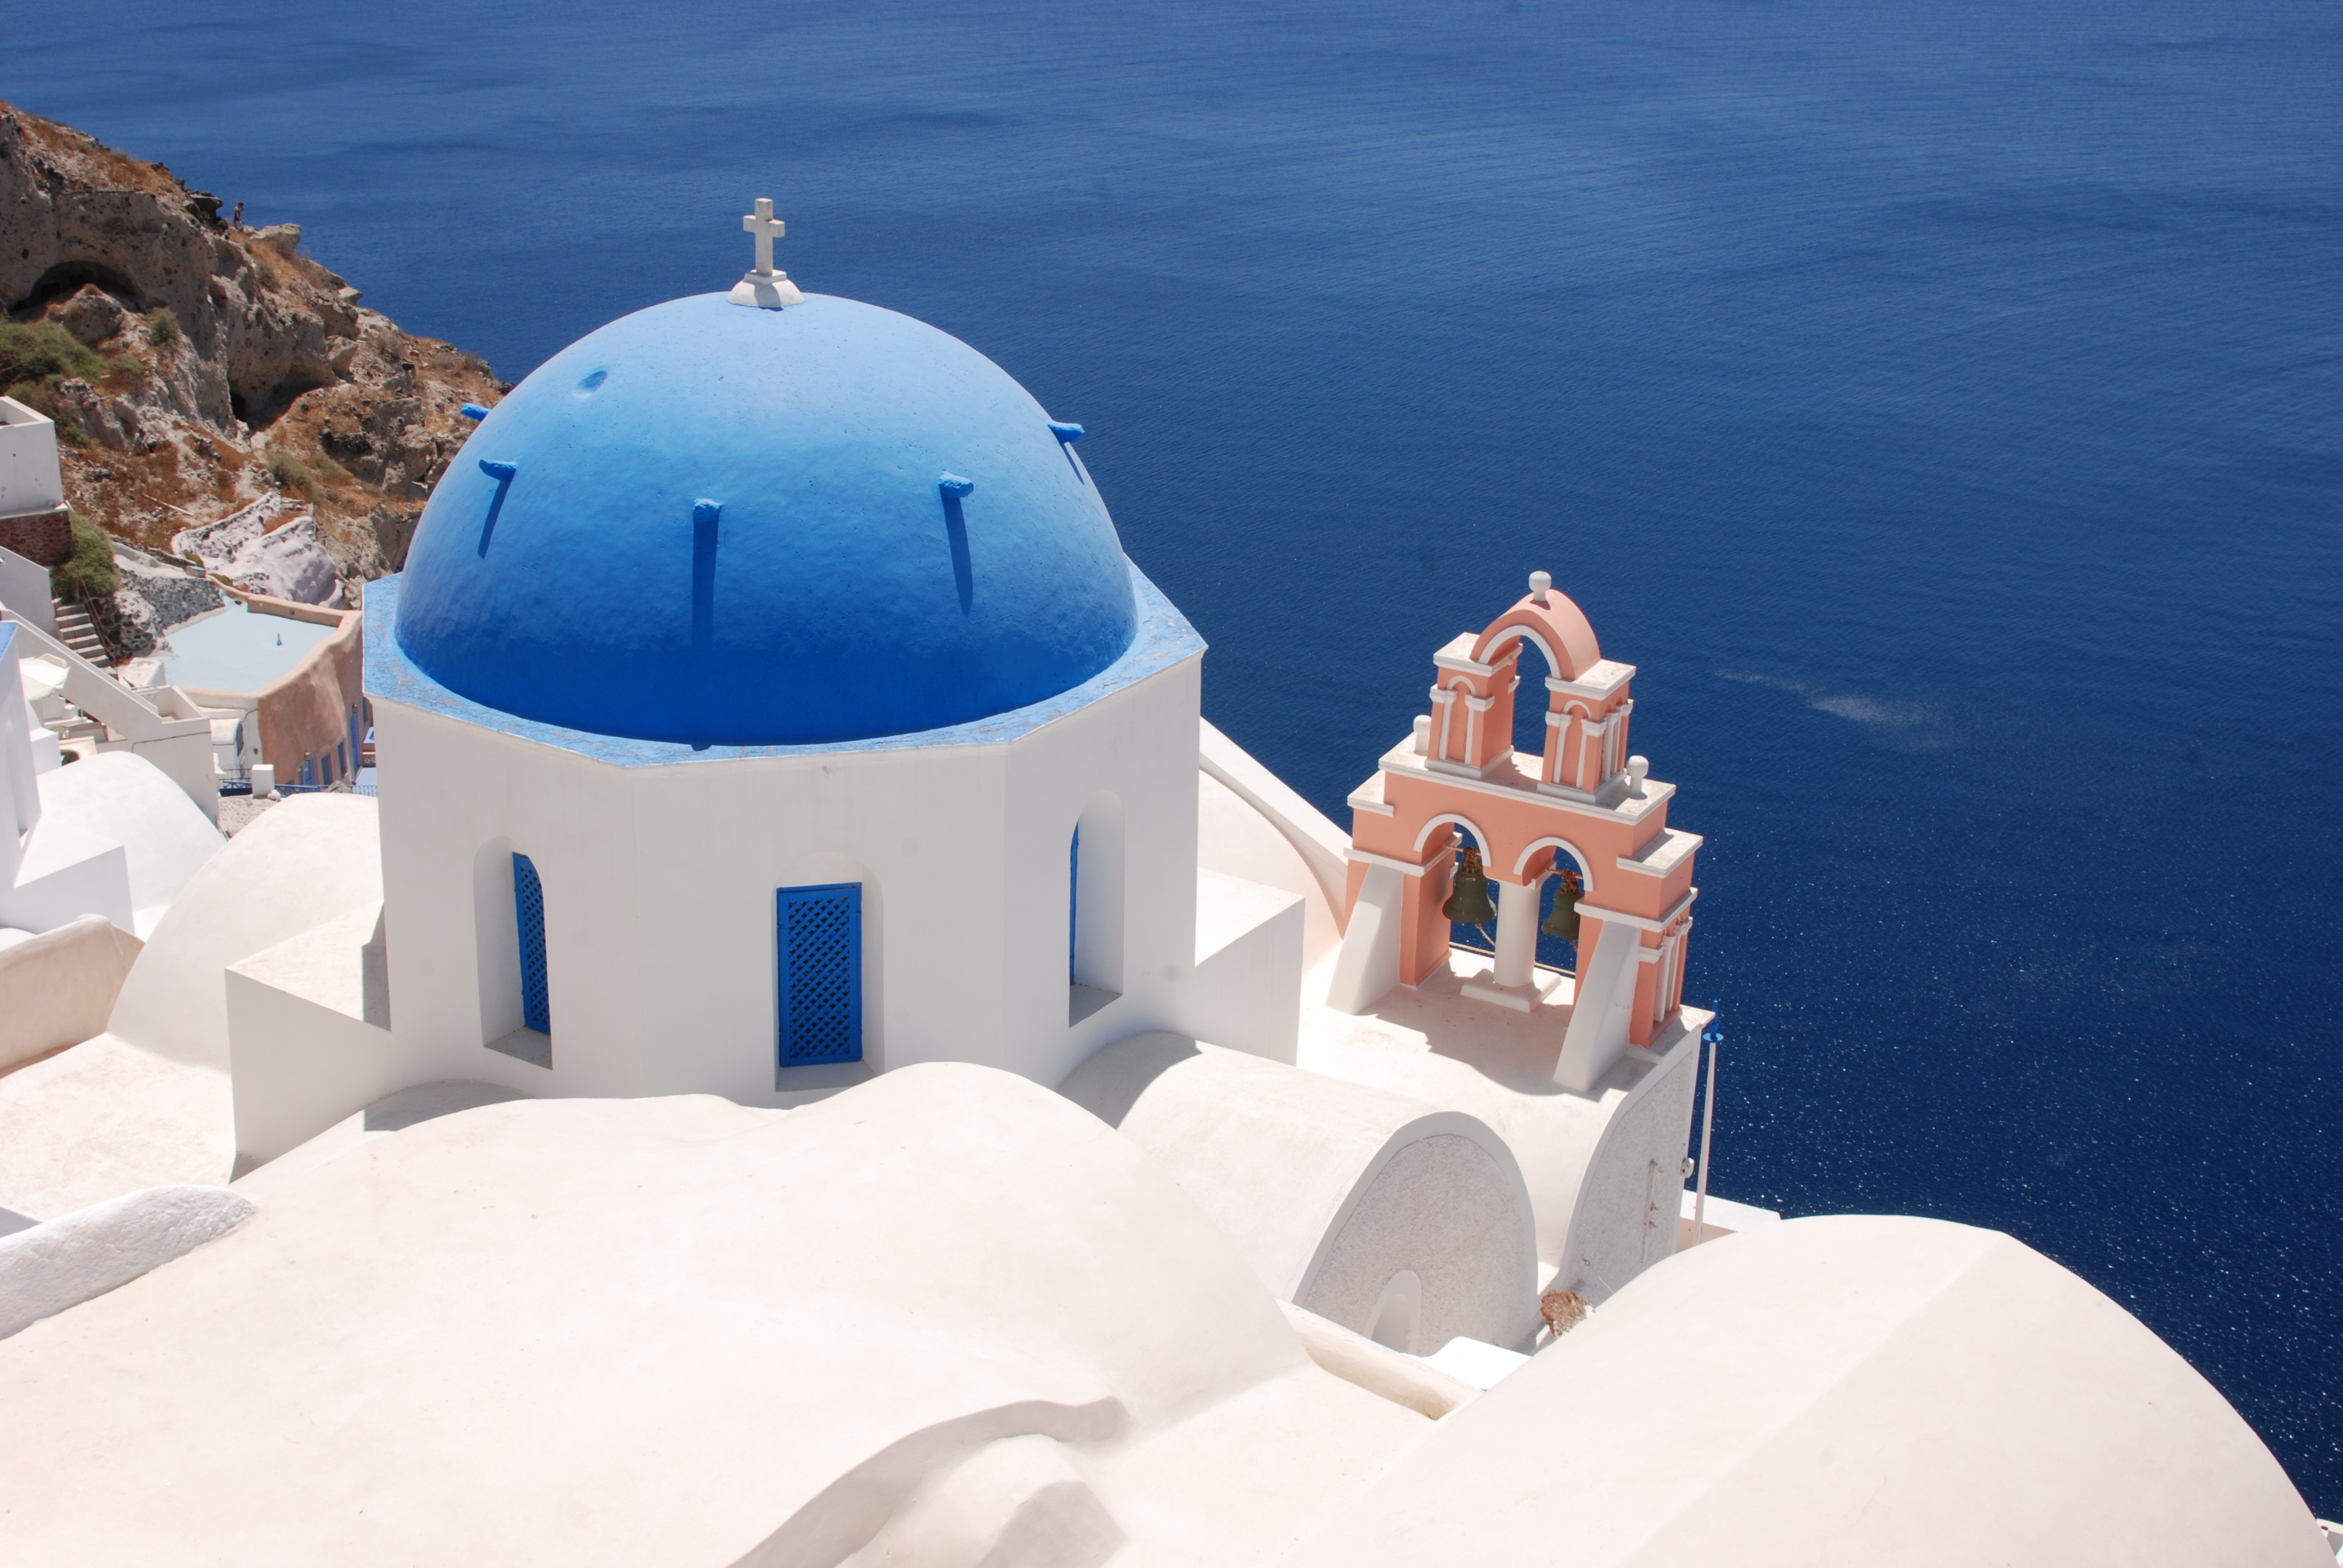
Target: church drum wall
[659, 880]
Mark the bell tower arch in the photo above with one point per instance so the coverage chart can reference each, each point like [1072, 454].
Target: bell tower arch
[1581, 809]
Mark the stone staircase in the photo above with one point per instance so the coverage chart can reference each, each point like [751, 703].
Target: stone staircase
[77, 631]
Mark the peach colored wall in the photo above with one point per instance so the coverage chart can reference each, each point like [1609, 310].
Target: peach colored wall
[1559, 624]
[1512, 819]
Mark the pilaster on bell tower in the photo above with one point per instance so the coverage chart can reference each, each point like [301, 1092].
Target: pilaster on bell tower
[1582, 809]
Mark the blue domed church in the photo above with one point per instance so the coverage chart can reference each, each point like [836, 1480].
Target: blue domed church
[767, 702]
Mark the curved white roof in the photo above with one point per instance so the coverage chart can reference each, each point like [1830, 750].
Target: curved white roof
[1853, 1390]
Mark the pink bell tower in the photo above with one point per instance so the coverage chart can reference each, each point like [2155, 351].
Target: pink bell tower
[1581, 804]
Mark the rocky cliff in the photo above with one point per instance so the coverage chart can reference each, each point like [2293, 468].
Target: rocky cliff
[193, 366]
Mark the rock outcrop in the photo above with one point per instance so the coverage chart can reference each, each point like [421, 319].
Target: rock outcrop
[195, 366]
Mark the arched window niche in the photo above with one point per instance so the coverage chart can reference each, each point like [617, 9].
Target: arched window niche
[509, 924]
[1094, 911]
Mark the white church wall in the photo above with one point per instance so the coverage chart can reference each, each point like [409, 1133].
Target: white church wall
[457, 802]
[659, 884]
[1138, 745]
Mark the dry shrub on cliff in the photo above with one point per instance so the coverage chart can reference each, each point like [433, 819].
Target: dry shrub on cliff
[91, 160]
[290, 473]
[162, 327]
[90, 572]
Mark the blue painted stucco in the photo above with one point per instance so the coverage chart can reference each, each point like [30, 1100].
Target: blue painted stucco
[1164, 639]
[711, 524]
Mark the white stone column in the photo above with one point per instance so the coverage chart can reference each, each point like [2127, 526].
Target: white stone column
[1517, 923]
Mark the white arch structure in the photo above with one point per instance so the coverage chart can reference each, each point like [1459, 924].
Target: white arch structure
[1423, 835]
[1585, 871]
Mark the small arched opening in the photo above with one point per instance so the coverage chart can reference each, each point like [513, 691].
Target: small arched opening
[512, 955]
[1469, 851]
[1567, 879]
[1094, 908]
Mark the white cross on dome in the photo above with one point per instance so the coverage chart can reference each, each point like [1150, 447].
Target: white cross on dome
[762, 286]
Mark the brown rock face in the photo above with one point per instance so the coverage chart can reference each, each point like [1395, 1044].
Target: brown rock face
[233, 363]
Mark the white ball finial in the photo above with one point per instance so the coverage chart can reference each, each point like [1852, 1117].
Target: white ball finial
[1540, 582]
[1638, 770]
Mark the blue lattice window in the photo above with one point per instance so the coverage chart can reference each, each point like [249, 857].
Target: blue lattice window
[820, 933]
[528, 918]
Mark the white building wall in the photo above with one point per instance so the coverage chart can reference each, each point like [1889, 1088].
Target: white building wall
[659, 885]
[1140, 745]
[29, 477]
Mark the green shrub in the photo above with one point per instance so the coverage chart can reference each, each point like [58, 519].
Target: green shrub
[330, 470]
[90, 573]
[128, 367]
[291, 474]
[162, 327]
[37, 350]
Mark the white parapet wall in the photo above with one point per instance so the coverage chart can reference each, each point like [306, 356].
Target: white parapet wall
[1398, 1220]
[163, 725]
[309, 1037]
[57, 988]
[29, 478]
[25, 589]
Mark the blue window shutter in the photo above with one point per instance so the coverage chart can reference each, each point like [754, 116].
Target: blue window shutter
[818, 930]
[529, 916]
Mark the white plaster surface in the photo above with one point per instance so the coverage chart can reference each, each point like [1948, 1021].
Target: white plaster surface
[149, 1102]
[1250, 938]
[25, 588]
[105, 1118]
[309, 1036]
[1330, 1189]
[70, 1260]
[1412, 1381]
[392, 1113]
[304, 862]
[1851, 1391]
[1434, 1044]
[1476, 1362]
[30, 478]
[1253, 825]
[121, 796]
[57, 988]
[685, 1331]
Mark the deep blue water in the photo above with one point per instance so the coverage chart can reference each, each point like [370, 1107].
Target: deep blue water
[1941, 406]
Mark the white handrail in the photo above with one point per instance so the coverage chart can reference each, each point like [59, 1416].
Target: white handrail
[127, 714]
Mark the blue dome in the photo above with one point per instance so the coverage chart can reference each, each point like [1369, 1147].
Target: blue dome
[719, 525]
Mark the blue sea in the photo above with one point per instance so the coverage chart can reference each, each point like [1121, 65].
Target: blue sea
[1942, 404]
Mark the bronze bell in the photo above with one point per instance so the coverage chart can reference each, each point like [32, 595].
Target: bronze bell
[1469, 904]
[1564, 921]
